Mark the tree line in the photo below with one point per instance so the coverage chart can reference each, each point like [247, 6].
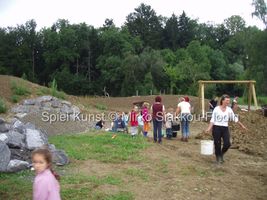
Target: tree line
[149, 53]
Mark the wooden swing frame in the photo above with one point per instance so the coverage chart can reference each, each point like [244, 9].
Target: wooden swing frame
[251, 91]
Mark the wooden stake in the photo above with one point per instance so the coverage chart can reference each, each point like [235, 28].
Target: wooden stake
[254, 96]
[249, 96]
[203, 99]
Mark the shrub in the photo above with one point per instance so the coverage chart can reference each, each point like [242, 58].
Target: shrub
[15, 98]
[3, 107]
[19, 89]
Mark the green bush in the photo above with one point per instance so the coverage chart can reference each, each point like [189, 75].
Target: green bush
[52, 90]
[19, 89]
[3, 107]
[59, 94]
[15, 98]
[24, 76]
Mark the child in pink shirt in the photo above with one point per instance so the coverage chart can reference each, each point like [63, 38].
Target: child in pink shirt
[45, 186]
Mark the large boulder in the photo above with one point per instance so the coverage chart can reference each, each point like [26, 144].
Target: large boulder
[35, 139]
[17, 165]
[4, 128]
[2, 121]
[4, 156]
[15, 139]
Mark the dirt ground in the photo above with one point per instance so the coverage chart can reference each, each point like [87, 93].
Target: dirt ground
[176, 170]
[125, 103]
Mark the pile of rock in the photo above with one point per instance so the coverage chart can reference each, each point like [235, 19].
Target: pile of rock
[45, 103]
[18, 140]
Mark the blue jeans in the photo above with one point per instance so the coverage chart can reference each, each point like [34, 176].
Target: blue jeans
[169, 132]
[157, 130]
[185, 118]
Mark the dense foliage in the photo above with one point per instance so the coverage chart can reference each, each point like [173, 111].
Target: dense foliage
[149, 53]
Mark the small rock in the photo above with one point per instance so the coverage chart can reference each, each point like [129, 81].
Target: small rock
[55, 104]
[29, 102]
[20, 115]
[66, 109]
[44, 99]
[15, 123]
[3, 137]
[66, 102]
[59, 157]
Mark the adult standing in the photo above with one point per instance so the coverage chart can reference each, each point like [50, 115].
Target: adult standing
[213, 103]
[234, 105]
[158, 117]
[221, 115]
[184, 109]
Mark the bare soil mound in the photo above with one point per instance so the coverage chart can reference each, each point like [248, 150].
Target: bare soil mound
[253, 141]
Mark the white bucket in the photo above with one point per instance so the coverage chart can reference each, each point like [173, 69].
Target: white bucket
[206, 147]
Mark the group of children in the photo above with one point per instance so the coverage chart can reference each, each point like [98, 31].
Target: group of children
[140, 121]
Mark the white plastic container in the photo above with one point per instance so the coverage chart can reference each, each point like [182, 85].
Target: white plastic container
[206, 147]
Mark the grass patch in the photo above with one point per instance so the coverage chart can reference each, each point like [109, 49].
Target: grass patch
[48, 91]
[73, 186]
[100, 106]
[44, 91]
[3, 107]
[163, 166]
[137, 173]
[122, 195]
[100, 146]
[78, 186]
[194, 171]
[19, 89]
[16, 186]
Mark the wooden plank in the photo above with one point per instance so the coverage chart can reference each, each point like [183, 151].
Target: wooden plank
[249, 96]
[199, 98]
[254, 96]
[227, 81]
[203, 99]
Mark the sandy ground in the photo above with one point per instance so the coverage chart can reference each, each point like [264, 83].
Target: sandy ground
[175, 170]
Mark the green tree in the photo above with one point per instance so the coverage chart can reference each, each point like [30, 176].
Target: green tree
[171, 33]
[260, 10]
[186, 30]
[235, 24]
[145, 24]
